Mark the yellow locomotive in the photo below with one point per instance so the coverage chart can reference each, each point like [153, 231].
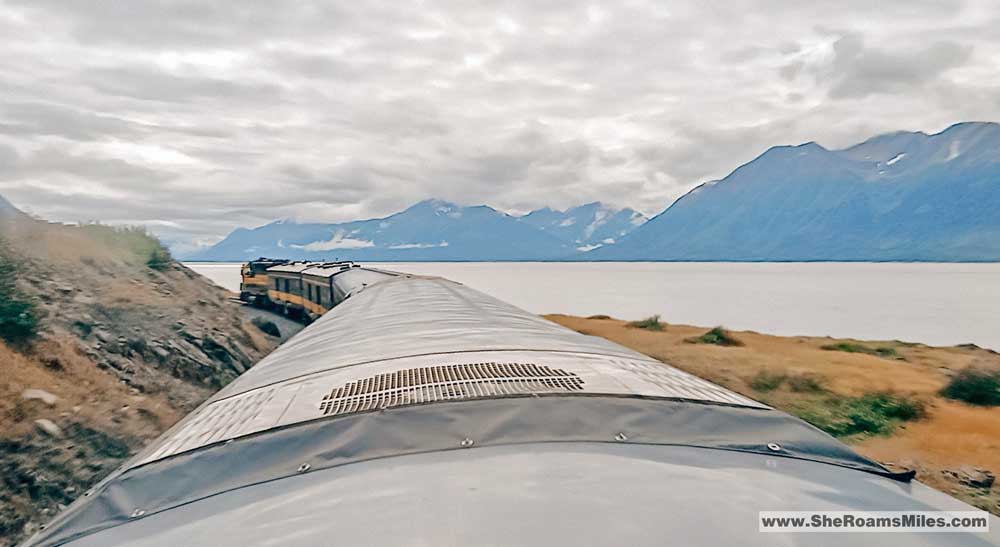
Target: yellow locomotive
[254, 281]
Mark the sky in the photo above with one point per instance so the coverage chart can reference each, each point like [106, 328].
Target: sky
[194, 117]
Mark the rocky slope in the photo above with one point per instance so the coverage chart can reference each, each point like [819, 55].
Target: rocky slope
[127, 342]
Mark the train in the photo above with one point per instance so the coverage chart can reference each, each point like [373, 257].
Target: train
[419, 411]
[304, 289]
[254, 281]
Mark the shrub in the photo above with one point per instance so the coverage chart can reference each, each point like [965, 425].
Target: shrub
[18, 320]
[266, 326]
[851, 347]
[159, 258]
[805, 383]
[872, 414]
[767, 381]
[599, 316]
[975, 386]
[649, 323]
[717, 336]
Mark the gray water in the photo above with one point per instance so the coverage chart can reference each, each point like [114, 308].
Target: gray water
[937, 304]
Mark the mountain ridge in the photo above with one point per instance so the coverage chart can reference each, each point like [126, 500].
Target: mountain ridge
[429, 230]
[894, 197]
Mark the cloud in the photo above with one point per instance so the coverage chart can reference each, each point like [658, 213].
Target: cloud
[336, 241]
[857, 71]
[198, 117]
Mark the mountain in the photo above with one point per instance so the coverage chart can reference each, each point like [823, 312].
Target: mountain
[588, 226]
[429, 230]
[898, 197]
[7, 209]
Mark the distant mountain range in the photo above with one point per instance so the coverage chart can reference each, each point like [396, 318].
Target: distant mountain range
[898, 197]
[895, 197]
[588, 226]
[435, 230]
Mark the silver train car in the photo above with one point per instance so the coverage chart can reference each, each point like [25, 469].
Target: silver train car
[422, 412]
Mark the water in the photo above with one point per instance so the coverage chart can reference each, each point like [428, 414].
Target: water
[938, 304]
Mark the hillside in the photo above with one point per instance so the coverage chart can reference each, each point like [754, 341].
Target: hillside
[104, 343]
[900, 196]
[433, 230]
[856, 396]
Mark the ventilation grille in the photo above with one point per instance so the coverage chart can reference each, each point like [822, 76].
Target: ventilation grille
[442, 383]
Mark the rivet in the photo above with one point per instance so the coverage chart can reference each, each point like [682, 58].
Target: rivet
[304, 467]
[467, 442]
[774, 447]
[138, 513]
[621, 437]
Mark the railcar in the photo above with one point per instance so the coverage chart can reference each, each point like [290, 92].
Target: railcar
[418, 411]
[285, 290]
[330, 283]
[254, 282]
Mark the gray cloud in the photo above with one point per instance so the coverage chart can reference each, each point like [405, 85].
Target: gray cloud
[858, 71]
[27, 119]
[143, 83]
[196, 117]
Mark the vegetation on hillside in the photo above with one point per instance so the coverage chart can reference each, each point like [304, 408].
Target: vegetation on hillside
[975, 386]
[134, 240]
[717, 336]
[852, 347]
[869, 414]
[649, 323]
[18, 316]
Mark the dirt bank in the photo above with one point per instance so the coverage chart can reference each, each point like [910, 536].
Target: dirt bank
[127, 341]
[949, 443]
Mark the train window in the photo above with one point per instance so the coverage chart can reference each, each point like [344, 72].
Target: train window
[310, 291]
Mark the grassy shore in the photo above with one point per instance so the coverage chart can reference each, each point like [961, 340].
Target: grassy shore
[884, 398]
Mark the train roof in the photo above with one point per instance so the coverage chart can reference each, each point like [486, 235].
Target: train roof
[422, 411]
[291, 267]
[328, 269]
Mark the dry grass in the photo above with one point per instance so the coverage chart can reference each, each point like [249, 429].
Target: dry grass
[257, 338]
[797, 374]
[86, 394]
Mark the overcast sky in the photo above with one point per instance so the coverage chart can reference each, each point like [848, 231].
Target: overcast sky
[197, 117]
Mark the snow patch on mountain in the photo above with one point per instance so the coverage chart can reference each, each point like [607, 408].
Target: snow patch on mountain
[954, 150]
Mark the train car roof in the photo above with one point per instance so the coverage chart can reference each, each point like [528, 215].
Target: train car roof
[422, 411]
[329, 269]
[291, 267]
